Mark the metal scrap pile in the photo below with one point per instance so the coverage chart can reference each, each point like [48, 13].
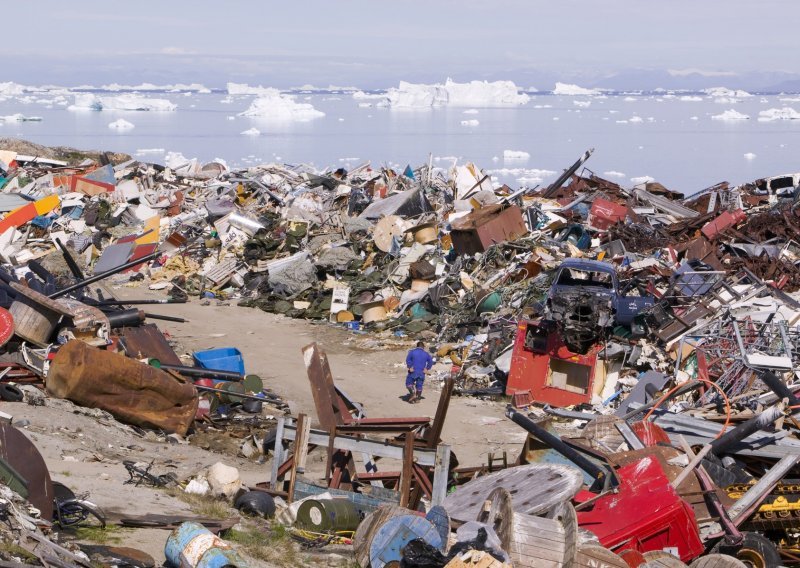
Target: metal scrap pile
[664, 329]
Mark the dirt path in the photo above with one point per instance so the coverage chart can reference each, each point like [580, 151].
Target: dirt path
[86, 454]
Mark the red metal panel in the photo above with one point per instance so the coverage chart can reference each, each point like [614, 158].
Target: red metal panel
[645, 514]
[726, 220]
[532, 371]
[604, 214]
[484, 227]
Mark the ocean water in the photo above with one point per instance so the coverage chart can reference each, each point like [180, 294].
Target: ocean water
[670, 138]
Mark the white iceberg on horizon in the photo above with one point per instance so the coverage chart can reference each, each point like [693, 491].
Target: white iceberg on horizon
[472, 94]
[730, 114]
[726, 92]
[573, 90]
[251, 132]
[515, 156]
[245, 89]
[89, 101]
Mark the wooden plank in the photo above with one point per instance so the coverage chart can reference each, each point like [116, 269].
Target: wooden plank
[497, 512]
[277, 453]
[362, 539]
[441, 471]
[300, 453]
[407, 473]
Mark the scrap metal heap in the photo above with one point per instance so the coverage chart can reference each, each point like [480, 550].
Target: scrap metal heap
[649, 344]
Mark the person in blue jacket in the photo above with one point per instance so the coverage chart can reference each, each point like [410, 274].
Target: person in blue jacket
[419, 362]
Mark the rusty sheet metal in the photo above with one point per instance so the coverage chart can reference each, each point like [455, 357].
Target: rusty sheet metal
[20, 453]
[147, 341]
[484, 227]
[131, 391]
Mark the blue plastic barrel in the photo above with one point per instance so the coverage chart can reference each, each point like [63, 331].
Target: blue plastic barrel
[191, 545]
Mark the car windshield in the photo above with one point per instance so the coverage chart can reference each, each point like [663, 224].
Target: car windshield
[578, 277]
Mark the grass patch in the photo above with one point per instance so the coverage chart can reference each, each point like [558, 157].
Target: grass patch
[269, 544]
[13, 549]
[108, 535]
[66, 473]
[203, 505]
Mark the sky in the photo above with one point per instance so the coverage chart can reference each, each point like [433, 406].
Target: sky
[375, 44]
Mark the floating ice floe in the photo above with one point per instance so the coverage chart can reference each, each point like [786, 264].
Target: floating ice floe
[785, 113]
[725, 92]
[730, 114]
[279, 107]
[515, 156]
[20, 118]
[690, 98]
[749, 156]
[120, 124]
[636, 119]
[582, 104]
[573, 90]
[694, 118]
[251, 132]
[614, 174]
[10, 89]
[89, 101]
[471, 111]
[144, 151]
[542, 106]
[472, 122]
[472, 94]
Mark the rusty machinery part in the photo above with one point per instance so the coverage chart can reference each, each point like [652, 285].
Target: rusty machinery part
[19, 453]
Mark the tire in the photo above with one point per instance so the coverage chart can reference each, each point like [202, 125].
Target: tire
[256, 503]
[756, 551]
[10, 393]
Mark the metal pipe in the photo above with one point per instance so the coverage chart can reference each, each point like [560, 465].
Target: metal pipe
[601, 476]
[568, 172]
[743, 430]
[200, 372]
[232, 394]
[102, 303]
[165, 318]
[779, 388]
[125, 318]
[73, 266]
[106, 274]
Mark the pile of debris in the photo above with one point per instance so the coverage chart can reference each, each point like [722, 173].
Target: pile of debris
[653, 339]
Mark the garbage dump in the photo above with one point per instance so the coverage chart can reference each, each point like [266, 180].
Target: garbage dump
[646, 345]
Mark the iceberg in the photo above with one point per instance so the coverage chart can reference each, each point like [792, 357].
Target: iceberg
[120, 125]
[730, 115]
[749, 156]
[245, 89]
[472, 94]
[573, 90]
[89, 101]
[251, 132]
[177, 87]
[10, 89]
[522, 175]
[20, 118]
[785, 113]
[515, 156]
[276, 106]
[725, 92]
[472, 122]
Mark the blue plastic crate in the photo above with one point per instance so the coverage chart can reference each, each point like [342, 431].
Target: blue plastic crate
[221, 359]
